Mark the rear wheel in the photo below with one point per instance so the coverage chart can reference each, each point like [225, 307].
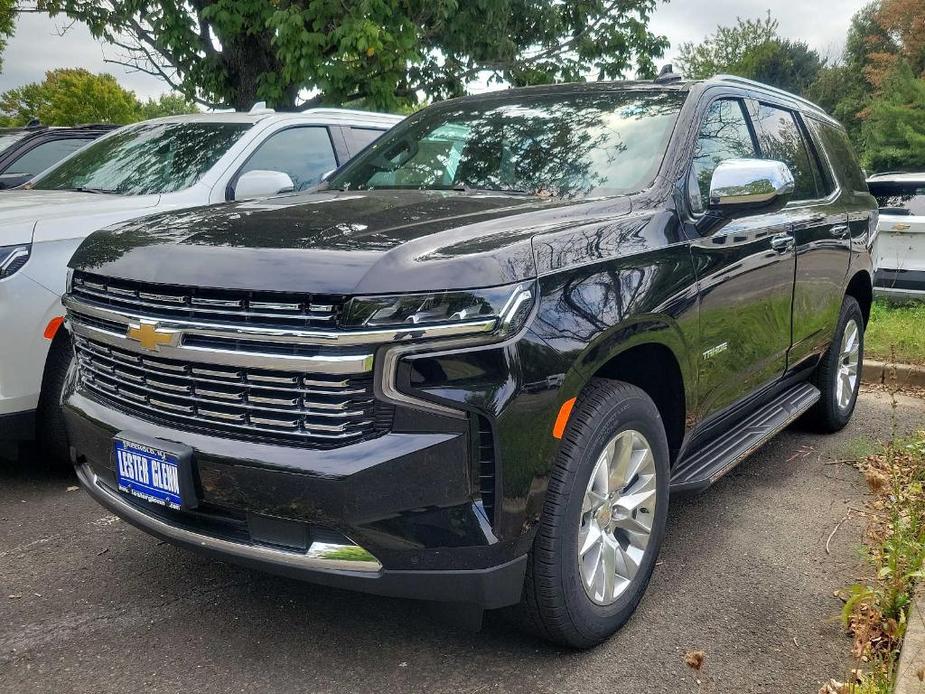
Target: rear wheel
[604, 518]
[838, 375]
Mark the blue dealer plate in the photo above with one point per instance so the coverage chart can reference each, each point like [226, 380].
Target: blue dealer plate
[148, 473]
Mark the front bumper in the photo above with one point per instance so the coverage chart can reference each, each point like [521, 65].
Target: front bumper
[405, 497]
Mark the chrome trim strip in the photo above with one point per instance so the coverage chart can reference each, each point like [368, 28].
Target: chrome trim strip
[286, 335]
[320, 556]
[331, 365]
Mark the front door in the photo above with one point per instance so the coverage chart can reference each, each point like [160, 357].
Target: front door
[745, 271]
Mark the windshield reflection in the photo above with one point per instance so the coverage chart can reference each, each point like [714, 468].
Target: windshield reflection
[557, 145]
[145, 159]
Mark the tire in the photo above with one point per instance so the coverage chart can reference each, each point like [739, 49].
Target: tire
[51, 435]
[834, 409]
[556, 604]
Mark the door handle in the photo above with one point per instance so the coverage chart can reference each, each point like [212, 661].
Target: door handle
[839, 231]
[782, 243]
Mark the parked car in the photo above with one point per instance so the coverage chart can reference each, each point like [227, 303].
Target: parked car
[473, 368]
[157, 165]
[24, 152]
[899, 248]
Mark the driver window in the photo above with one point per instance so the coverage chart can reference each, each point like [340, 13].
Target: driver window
[724, 134]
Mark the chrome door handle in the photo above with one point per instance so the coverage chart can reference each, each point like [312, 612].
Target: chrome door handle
[839, 231]
[782, 243]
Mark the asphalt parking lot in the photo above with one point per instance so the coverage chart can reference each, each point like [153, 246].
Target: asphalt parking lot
[88, 604]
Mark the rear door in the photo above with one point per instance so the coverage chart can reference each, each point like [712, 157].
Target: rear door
[745, 270]
[819, 228]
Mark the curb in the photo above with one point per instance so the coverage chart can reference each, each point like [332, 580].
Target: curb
[912, 655]
[881, 372]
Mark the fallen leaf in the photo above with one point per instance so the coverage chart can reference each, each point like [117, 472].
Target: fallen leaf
[694, 659]
[920, 673]
[73, 489]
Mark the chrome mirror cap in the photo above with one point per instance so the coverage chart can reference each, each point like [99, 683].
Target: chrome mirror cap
[747, 182]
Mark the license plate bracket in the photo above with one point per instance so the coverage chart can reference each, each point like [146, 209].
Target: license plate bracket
[154, 470]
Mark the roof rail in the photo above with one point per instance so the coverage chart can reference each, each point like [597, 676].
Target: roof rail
[768, 88]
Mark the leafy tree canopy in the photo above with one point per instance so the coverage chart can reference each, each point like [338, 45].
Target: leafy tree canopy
[70, 96]
[894, 130]
[387, 53]
[753, 49]
[7, 24]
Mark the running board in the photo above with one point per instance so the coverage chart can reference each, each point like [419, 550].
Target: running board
[705, 465]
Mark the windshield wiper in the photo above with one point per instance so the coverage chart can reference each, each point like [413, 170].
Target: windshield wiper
[466, 188]
[97, 191]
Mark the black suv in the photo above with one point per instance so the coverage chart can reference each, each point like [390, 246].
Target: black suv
[27, 151]
[477, 364]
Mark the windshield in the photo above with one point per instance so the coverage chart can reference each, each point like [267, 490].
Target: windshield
[562, 145]
[7, 139]
[144, 159]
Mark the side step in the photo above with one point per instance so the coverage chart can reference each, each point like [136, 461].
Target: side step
[702, 467]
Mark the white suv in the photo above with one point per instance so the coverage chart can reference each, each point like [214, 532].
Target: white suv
[141, 169]
[899, 248]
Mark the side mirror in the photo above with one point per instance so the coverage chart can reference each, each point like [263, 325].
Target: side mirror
[745, 183]
[260, 184]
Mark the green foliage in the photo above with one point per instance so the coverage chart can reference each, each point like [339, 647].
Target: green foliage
[166, 105]
[7, 25]
[894, 130]
[387, 53]
[71, 96]
[726, 47]
[753, 49]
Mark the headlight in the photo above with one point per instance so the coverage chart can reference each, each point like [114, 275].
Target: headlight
[505, 307]
[12, 258]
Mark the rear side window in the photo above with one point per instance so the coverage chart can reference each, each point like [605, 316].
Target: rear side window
[44, 155]
[724, 134]
[780, 139]
[364, 136]
[841, 154]
[905, 199]
[305, 153]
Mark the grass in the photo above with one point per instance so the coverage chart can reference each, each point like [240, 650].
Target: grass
[876, 610]
[899, 326]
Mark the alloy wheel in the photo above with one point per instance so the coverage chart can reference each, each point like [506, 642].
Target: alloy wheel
[848, 363]
[616, 516]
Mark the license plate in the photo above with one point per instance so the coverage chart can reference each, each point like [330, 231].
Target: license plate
[149, 472]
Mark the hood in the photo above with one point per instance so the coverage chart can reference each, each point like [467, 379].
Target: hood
[42, 211]
[335, 242]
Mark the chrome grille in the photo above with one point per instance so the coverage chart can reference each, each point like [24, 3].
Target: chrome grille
[205, 305]
[302, 408]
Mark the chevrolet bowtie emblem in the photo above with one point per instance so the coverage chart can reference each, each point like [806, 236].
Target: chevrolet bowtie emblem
[151, 337]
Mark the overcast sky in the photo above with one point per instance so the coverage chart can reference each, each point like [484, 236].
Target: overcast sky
[38, 45]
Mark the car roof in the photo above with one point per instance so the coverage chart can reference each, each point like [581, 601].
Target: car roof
[333, 115]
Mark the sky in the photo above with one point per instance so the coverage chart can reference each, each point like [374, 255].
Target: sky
[39, 46]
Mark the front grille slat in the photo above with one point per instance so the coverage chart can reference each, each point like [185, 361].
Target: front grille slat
[208, 305]
[238, 401]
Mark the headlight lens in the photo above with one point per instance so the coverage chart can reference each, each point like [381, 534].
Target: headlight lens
[12, 258]
[508, 305]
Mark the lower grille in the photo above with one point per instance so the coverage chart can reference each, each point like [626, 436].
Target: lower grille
[487, 473]
[314, 410]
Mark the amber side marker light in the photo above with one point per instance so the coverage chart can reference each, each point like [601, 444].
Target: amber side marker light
[562, 418]
[52, 328]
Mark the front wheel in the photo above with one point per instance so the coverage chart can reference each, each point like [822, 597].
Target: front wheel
[603, 520]
[838, 375]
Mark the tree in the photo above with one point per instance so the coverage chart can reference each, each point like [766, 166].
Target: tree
[166, 105]
[726, 47]
[753, 49]
[894, 130]
[7, 24]
[69, 96]
[900, 37]
[388, 53]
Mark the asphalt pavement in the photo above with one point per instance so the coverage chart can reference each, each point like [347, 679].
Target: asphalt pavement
[89, 604]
